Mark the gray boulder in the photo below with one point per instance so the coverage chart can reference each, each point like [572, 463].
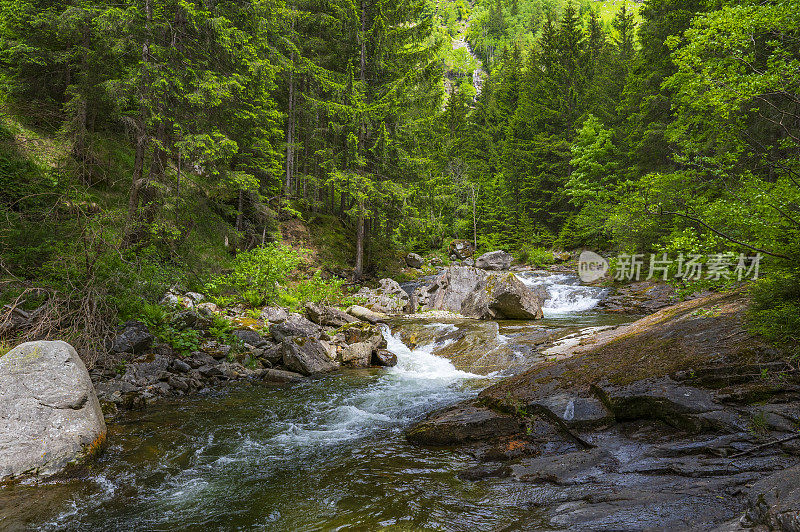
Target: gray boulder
[502, 297]
[274, 314]
[134, 338]
[251, 337]
[463, 423]
[385, 358]
[358, 355]
[295, 325]
[49, 414]
[414, 261]
[451, 288]
[494, 260]
[328, 316]
[365, 314]
[307, 356]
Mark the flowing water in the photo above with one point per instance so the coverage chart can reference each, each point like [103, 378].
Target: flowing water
[327, 453]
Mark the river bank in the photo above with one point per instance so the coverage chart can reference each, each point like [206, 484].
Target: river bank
[333, 449]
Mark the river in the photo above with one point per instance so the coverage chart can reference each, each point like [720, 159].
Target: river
[324, 454]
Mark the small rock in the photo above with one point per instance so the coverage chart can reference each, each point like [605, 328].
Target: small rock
[382, 357]
[327, 316]
[276, 375]
[414, 261]
[180, 366]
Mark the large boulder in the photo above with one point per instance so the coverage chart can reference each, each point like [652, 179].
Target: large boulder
[494, 260]
[451, 288]
[134, 337]
[414, 261]
[295, 325]
[503, 297]
[307, 356]
[463, 423]
[461, 249]
[49, 414]
[328, 316]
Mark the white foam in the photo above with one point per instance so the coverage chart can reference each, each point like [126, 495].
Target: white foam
[567, 295]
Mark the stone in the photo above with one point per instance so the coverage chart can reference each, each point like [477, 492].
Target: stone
[207, 309]
[274, 314]
[463, 423]
[279, 376]
[502, 297]
[199, 359]
[662, 398]
[179, 366]
[387, 298]
[295, 325]
[272, 354]
[251, 337]
[195, 297]
[574, 411]
[173, 299]
[461, 249]
[775, 501]
[134, 338]
[306, 356]
[365, 314]
[414, 261]
[494, 260]
[328, 316]
[216, 349]
[358, 355]
[49, 414]
[451, 288]
[382, 357]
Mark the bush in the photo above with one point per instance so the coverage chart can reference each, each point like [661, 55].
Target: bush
[535, 255]
[256, 274]
[775, 311]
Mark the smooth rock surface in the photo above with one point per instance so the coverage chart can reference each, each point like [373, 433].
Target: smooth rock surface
[49, 413]
[494, 260]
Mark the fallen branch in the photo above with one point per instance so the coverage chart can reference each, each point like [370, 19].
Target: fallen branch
[764, 446]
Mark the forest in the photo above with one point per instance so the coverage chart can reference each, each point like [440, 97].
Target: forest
[146, 144]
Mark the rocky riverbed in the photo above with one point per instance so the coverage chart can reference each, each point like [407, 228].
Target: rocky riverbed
[403, 412]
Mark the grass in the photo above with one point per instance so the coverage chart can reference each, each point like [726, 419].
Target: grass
[5, 347]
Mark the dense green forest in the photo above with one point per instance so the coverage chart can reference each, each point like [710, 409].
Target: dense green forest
[144, 144]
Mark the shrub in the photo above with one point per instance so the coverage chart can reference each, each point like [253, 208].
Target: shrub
[775, 311]
[256, 274]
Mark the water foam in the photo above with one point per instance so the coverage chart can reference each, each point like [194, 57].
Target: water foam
[567, 295]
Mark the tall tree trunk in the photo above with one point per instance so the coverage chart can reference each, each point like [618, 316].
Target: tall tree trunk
[137, 179]
[358, 271]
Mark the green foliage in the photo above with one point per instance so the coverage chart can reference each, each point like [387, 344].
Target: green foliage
[256, 274]
[536, 256]
[184, 342]
[775, 311]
